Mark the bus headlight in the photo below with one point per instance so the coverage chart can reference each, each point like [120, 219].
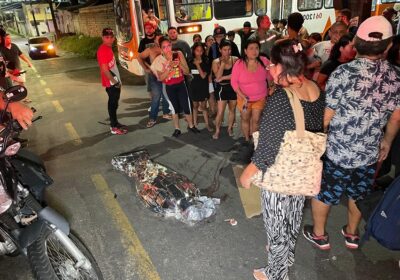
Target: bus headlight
[50, 47]
[189, 29]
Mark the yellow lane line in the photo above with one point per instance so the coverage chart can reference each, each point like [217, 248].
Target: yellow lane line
[130, 240]
[43, 82]
[48, 91]
[58, 106]
[73, 134]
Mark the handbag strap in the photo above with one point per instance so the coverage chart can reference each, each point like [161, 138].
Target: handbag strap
[298, 112]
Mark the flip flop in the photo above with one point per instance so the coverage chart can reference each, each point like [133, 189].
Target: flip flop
[151, 123]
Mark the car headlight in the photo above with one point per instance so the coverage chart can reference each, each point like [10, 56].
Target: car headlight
[50, 47]
[33, 49]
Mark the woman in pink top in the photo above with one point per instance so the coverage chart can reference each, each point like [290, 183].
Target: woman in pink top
[249, 81]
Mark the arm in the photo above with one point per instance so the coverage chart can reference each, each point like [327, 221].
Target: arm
[202, 73]
[321, 80]
[218, 68]
[20, 112]
[392, 128]
[328, 115]
[24, 58]
[183, 63]
[248, 173]
[237, 69]
[142, 60]
[107, 73]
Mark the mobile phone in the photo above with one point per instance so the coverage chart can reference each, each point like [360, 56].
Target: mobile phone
[175, 56]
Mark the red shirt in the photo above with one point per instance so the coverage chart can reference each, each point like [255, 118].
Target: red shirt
[105, 55]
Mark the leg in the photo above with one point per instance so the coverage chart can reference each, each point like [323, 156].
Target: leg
[175, 120]
[156, 93]
[231, 116]
[320, 213]
[354, 216]
[275, 214]
[113, 98]
[295, 215]
[218, 120]
[195, 112]
[245, 124]
[212, 103]
[203, 107]
[255, 120]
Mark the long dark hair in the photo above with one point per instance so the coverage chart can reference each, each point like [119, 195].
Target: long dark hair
[343, 41]
[248, 43]
[290, 57]
[203, 56]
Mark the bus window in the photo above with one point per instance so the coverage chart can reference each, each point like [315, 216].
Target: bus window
[390, 1]
[373, 7]
[260, 7]
[232, 8]
[328, 4]
[287, 8]
[305, 5]
[123, 20]
[193, 10]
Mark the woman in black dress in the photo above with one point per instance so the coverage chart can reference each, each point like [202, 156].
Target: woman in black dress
[199, 93]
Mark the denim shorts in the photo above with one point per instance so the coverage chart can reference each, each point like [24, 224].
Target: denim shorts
[354, 183]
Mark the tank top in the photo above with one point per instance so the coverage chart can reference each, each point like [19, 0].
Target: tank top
[227, 72]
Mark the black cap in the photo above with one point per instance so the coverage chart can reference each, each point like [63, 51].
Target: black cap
[107, 32]
[246, 24]
[219, 30]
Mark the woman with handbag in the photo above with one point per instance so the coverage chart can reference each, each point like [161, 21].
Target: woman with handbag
[296, 108]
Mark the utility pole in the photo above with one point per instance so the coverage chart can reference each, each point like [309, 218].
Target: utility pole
[54, 19]
[34, 20]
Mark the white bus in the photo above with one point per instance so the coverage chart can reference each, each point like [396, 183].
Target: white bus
[202, 16]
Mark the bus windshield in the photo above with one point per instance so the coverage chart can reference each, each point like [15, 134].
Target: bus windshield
[123, 20]
[193, 10]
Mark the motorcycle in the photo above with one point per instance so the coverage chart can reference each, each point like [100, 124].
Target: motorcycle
[27, 225]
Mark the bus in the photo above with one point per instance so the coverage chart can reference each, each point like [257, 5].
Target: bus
[204, 15]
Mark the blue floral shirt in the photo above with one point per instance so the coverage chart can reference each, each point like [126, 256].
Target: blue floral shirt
[363, 94]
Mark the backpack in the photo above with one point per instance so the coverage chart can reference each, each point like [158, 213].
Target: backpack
[384, 223]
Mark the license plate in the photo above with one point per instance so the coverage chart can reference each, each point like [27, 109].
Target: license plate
[43, 52]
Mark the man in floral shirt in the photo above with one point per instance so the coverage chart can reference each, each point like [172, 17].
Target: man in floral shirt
[362, 98]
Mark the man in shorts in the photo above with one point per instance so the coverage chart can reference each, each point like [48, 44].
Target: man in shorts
[110, 79]
[361, 98]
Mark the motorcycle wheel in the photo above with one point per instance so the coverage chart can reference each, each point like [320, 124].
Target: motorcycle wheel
[51, 261]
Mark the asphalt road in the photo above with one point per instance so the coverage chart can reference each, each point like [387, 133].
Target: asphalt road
[129, 241]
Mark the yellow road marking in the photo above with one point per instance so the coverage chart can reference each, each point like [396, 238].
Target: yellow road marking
[130, 240]
[38, 76]
[48, 91]
[43, 82]
[58, 106]
[73, 134]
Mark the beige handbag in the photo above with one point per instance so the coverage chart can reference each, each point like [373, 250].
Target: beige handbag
[298, 167]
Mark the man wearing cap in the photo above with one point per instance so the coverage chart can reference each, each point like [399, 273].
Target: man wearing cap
[323, 49]
[362, 98]
[244, 34]
[264, 35]
[219, 35]
[110, 79]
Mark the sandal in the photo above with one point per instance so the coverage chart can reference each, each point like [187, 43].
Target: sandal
[259, 274]
[167, 117]
[151, 123]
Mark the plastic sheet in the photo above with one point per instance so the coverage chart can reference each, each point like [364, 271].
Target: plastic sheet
[165, 191]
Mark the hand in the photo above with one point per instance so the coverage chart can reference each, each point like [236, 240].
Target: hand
[30, 65]
[21, 113]
[245, 181]
[384, 151]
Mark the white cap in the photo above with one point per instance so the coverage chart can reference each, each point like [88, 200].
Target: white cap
[375, 28]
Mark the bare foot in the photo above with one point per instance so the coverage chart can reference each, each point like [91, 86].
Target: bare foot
[209, 129]
[230, 132]
[215, 136]
[259, 274]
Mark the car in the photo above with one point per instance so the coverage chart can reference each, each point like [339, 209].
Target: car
[41, 47]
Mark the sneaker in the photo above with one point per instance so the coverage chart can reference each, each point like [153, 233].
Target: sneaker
[322, 242]
[176, 133]
[193, 129]
[122, 126]
[118, 131]
[351, 240]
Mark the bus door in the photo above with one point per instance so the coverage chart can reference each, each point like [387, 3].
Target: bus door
[281, 9]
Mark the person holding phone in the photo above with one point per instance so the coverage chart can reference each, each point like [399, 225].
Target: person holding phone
[170, 68]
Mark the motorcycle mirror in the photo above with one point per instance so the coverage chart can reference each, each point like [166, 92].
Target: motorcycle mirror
[15, 93]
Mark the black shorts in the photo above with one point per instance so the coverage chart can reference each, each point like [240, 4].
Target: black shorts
[225, 93]
[177, 96]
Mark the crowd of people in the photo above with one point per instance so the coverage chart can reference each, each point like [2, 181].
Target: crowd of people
[348, 86]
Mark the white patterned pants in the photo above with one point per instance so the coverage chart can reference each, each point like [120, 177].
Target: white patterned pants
[282, 219]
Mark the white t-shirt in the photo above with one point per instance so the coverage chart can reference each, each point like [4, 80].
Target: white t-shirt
[323, 50]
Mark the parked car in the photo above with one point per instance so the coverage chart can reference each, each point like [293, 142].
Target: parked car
[41, 47]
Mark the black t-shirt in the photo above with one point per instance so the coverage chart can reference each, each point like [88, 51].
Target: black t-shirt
[12, 56]
[235, 50]
[329, 66]
[145, 43]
